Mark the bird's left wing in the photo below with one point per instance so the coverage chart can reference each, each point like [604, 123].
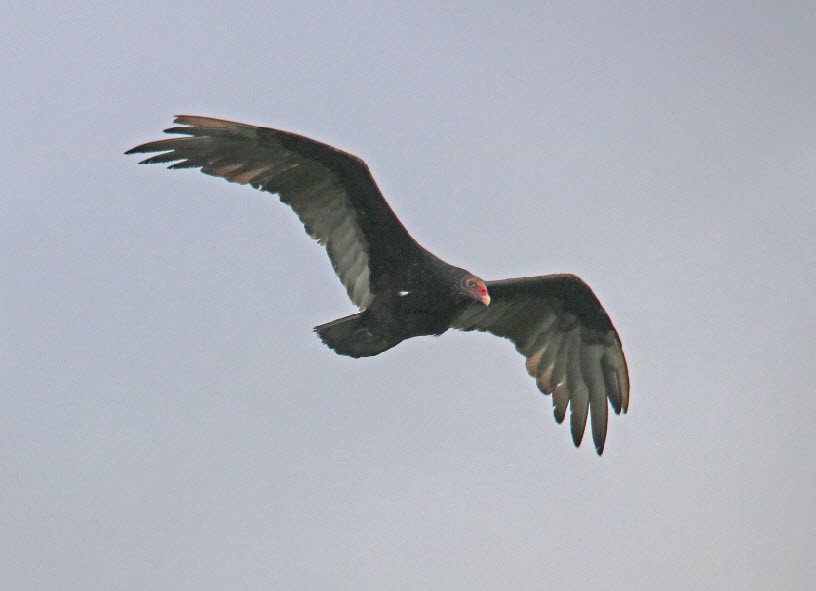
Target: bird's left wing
[572, 349]
[331, 191]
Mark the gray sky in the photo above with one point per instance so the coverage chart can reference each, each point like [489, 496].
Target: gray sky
[171, 422]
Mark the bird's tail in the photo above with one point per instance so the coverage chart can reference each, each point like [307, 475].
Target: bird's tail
[350, 336]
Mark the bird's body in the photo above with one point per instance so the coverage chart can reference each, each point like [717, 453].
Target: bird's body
[424, 299]
[403, 290]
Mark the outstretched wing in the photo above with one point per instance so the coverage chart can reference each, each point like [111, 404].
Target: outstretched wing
[572, 349]
[332, 192]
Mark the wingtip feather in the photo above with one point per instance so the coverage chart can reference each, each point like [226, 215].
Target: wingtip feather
[579, 405]
[199, 121]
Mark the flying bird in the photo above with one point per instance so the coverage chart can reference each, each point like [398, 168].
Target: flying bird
[401, 289]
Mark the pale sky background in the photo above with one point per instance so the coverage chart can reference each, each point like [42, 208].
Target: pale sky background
[169, 420]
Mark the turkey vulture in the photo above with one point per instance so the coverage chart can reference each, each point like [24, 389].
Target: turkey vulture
[402, 290]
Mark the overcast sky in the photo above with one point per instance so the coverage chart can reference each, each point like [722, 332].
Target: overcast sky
[169, 420]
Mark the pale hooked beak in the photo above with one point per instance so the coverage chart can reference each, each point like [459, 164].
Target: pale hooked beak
[485, 299]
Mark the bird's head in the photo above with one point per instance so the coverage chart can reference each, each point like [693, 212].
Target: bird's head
[475, 289]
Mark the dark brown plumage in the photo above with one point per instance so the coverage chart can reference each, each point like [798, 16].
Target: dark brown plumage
[401, 289]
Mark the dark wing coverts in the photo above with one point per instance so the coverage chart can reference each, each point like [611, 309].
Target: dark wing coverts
[332, 192]
[572, 349]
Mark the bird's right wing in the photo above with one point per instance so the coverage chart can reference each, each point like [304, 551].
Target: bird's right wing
[332, 192]
[572, 349]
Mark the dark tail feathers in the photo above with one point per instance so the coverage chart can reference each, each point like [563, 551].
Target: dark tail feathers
[349, 336]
